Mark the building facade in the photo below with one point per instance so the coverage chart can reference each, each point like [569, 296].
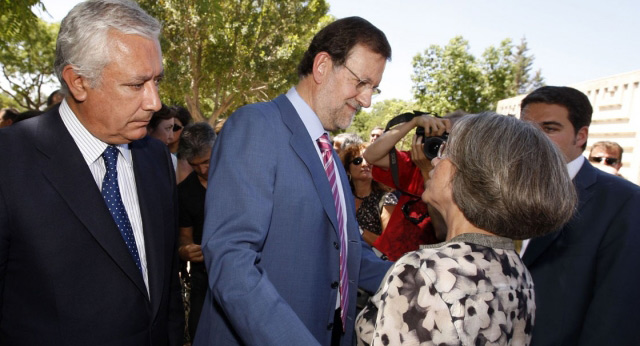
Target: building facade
[616, 116]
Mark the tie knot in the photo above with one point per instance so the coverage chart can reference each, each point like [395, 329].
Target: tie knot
[110, 156]
[324, 144]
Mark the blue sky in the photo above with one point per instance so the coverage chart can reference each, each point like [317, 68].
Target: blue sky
[572, 41]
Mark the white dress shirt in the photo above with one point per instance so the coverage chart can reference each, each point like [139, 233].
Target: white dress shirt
[92, 149]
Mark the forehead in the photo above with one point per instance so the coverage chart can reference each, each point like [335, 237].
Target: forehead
[366, 63]
[134, 56]
[543, 112]
[604, 152]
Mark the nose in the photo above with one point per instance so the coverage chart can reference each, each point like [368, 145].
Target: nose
[364, 98]
[151, 100]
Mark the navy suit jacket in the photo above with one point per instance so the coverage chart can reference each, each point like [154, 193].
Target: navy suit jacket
[586, 275]
[270, 239]
[66, 276]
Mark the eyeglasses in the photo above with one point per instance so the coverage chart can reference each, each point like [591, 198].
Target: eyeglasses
[441, 154]
[357, 161]
[364, 84]
[609, 161]
[177, 127]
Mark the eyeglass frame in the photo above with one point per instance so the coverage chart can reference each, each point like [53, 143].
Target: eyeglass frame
[609, 161]
[364, 83]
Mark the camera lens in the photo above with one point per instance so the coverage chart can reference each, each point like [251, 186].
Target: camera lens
[431, 146]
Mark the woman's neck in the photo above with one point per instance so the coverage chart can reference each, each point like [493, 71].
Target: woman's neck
[457, 224]
[361, 188]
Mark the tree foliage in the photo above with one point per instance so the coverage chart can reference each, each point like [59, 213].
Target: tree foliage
[17, 18]
[221, 54]
[450, 77]
[27, 65]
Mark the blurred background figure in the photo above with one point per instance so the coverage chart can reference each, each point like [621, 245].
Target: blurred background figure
[182, 118]
[606, 156]
[195, 148]
[27, 115]
[54, 98]
[160, 127]
[375, 133]
[7, 116]
[490, 187]
[343, 140]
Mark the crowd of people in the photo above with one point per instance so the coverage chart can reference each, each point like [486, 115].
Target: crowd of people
[122, 222]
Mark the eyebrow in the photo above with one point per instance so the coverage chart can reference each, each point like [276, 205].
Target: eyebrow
[550, 123]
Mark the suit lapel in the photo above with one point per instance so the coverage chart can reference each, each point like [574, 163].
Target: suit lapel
[300, 143]
[584, 179]
[152, 218]
[69, 174]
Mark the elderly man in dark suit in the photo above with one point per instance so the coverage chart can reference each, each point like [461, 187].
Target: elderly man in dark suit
[585, 274]
[281, 241]
[87, 205]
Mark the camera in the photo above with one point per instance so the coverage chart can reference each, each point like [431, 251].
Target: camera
[431, 145]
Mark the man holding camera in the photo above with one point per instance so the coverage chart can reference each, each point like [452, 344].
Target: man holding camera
[409, 225]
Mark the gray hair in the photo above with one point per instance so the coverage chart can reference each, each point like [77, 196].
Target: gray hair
[510, 179]
[195, 140]
[83, 37]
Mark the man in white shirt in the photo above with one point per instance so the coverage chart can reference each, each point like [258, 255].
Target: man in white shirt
[88, 220]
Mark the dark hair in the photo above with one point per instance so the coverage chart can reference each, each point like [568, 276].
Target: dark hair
[339, 37]
[195, 140]
[182, 114]
[351, 152]
[26, 115]
[10, 114]
[51, 97]
[509, 178]
[163, 114]
[573, 100]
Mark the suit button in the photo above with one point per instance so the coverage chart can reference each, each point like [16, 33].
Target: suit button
[335, 245]
[330, 326]
[334, 285]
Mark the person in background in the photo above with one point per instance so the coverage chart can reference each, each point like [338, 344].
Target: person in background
[606, 156]
[195, 148]
[344, 140]
[54, 99]
[585, 272]
[490, 187]
[8, 116]
[160, 127]
[88, 219]
[374, 203]
[282, 247]
[375, 133]
[181, 119]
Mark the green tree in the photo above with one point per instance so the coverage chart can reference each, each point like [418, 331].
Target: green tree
[27, 65]
[17, 18]
[450, 77]
[379, 115]
[221, 54]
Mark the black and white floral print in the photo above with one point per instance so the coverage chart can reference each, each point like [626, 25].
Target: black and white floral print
[472, 290]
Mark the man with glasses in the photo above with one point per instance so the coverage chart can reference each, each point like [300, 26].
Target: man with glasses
[606, 156]
[585, 274]
[281, 243]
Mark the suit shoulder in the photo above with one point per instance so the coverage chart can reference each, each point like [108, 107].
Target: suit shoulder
[616, 184]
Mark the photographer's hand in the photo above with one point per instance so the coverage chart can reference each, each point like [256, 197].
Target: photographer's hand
[419, 159]
[432, 126]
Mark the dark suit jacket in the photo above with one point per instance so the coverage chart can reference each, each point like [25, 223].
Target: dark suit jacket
[271, 238]
[586, 275]
[66, 276]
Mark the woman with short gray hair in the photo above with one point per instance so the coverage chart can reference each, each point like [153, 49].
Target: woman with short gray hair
[496, 179]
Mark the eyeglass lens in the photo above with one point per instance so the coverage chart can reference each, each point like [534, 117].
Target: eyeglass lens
[357, 161]
[609, 161]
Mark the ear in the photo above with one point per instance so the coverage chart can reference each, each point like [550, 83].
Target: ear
[582, 136]
[322, 64]
[77, 84]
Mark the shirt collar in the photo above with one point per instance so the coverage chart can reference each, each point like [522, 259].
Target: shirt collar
[307, 115]
[492, 241]
[574, 166]
[90, 146]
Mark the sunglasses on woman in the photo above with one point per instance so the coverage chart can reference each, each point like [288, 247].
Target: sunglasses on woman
[357, 161]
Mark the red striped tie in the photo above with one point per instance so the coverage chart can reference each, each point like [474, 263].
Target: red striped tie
[330, 169]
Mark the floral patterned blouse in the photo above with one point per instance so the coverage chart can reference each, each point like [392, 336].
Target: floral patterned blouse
[368, 215]
[471, 290]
